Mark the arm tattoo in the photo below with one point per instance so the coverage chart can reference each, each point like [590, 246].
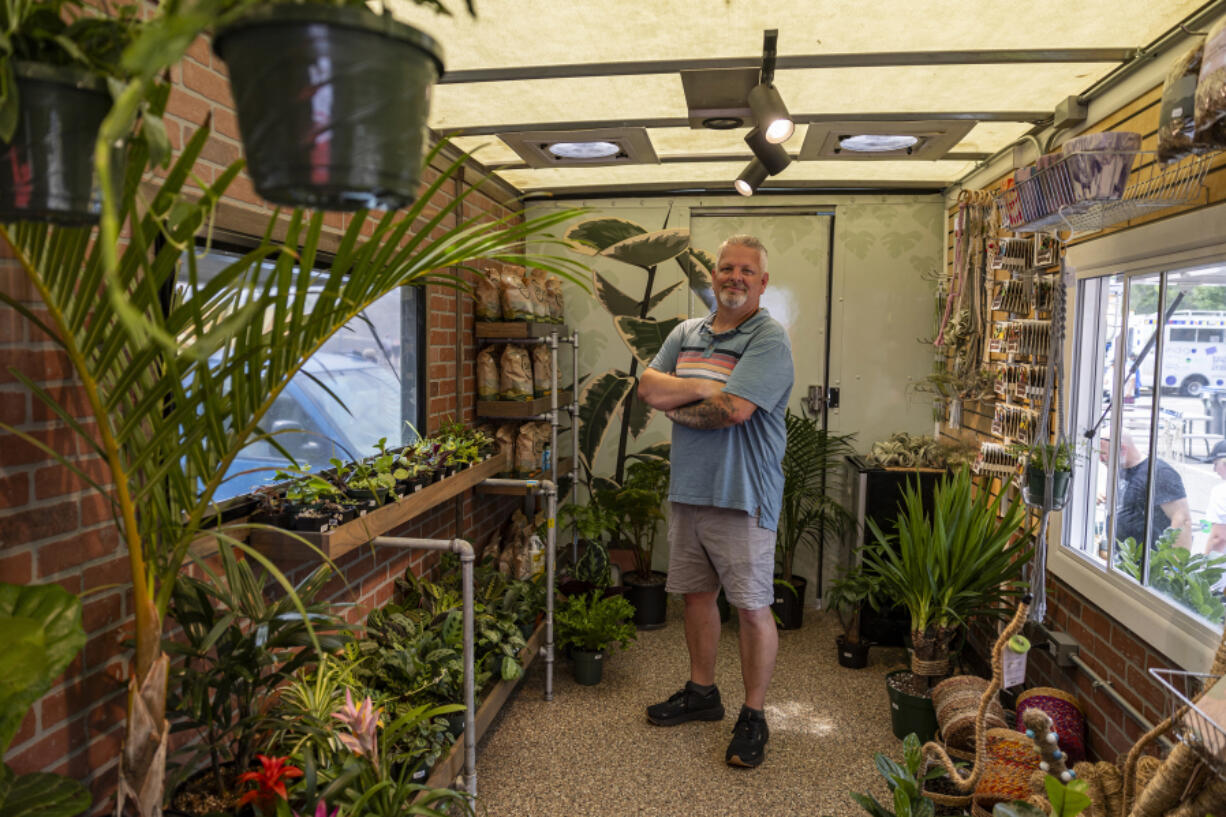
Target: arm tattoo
[712, 413]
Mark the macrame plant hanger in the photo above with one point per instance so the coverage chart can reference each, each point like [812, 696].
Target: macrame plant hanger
[1041, 454]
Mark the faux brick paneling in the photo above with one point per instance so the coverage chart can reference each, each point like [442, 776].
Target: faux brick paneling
[54, 528]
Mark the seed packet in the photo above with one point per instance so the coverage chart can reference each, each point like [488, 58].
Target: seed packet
[1177, 115]
[1211, 90]
[542, 370]
[489, 384]
[516, 373]
[516, 296]
[487, 297]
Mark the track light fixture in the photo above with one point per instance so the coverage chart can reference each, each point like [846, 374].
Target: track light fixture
[770, 113]
[773, 157]
[751, 177]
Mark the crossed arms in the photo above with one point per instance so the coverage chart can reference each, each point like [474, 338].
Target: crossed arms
[693, 402]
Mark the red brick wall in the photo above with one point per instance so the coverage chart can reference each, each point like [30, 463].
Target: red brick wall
[53, 529]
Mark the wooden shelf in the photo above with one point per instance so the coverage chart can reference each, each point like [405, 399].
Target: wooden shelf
[445, 772]
[518, 330]
[512, 409]
[384, 519]
[564, 468]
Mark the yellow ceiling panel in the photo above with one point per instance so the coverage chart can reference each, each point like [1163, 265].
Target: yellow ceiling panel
[989, 137]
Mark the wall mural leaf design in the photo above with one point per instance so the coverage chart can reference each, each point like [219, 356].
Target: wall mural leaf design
[640, 414]
[649, 249]
[659, 451]
[859, 241]
[659, 297]
[617, 302]
[645, 336]
[597, 234]
[597, 404]
[697, 265]
[898, 243]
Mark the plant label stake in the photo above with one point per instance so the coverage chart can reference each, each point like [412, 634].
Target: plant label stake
[1014, 661]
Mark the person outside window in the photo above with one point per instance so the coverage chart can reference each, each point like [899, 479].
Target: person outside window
[1170, 508]
[724, 380]
[1216, 514]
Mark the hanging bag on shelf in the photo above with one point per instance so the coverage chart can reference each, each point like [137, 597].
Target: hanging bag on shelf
[516, 373]
[542, 370]
[488, 380]
[553, 288]
[1211, 90]
[539, 294]
[1177, 116]
[486, 295]
[516, 296]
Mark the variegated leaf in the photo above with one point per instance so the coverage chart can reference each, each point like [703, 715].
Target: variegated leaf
[659, 297]
[645, 336]
[649, 249]
[640, 414]
[46, 795]
[617, 302]
[659, 451]
[697, 265]
[598, 403]
[596, 234]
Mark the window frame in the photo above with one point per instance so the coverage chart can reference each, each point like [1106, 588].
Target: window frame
[1184, 241]
[241, 243]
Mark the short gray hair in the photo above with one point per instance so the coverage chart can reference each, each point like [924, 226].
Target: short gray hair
[744, 240]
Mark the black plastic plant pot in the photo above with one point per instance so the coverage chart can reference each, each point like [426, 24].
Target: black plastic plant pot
[725, 609]
[332, 103]
[47, 171]
[852, 656]
[1036, 488]
[589, 666]
[649, 598]
[910, 713]
[789, 604]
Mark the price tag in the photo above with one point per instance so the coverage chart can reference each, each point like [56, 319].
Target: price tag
[1014, 661]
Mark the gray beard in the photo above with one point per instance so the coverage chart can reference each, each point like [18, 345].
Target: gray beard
[733, 299]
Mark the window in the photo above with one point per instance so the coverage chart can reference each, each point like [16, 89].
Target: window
[372, 365]
[1150, 509]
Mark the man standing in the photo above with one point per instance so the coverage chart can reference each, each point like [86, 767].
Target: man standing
[724, 381]
[1170, 508]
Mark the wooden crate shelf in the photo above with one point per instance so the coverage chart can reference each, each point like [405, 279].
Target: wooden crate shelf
[564, 467]
[445, 772]
[518, 330]
[382, 520]
[513, 409]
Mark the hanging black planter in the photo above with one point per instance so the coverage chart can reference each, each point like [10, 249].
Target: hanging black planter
[332, 103]
[1036, 487]
[47, 171]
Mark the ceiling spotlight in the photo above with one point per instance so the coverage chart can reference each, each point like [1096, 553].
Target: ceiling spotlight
[584, 150]
[751, 177]
[770, 113]
[773, 157]
[722, 122]
[878, 142]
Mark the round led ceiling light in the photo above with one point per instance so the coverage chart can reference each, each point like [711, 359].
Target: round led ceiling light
[584, 150]
[877, 142]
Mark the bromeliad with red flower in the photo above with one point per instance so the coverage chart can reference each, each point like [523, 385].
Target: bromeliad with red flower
[270, 783]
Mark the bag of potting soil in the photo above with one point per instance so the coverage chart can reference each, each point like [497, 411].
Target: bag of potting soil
[553, 288]
[542, 370]
[1211, 91]
[516, 295]
[1176, 117]
[536, 291]
[485, 293]
[489, 383]
[525, 450]
[505, 437]
[516, 373]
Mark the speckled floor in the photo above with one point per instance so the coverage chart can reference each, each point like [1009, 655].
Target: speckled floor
[591, 751]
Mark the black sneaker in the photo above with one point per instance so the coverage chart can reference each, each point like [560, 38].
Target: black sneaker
[749, 738]
[687, 704]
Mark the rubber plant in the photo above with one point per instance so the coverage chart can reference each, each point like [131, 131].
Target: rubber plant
[174, 392]
[956, 563]
[613, 391]
[40, 634]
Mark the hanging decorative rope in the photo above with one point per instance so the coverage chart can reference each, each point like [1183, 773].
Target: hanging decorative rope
[1043, 453]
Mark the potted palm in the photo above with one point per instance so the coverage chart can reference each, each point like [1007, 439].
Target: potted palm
[945, 568]
[332, 101]
[589, 626]
[54, 64]
[809, 515]
[638, 505]
[846, 596]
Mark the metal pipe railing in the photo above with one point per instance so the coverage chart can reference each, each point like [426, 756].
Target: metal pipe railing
[1097, 682]
[465, 551]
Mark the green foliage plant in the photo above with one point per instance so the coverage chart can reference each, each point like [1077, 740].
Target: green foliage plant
[905, 782]
[594, 623]
[1067, 800]
[1186, 577]
[1047, 457]
[813, 473]
[236, 648]
[950, 565]
[846, 597]
[40, 635]
[638, 505]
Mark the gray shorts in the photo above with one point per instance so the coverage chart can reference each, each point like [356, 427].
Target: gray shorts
[709, 547]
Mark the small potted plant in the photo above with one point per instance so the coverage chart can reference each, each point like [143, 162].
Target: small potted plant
[846, 596]
[312, 503]
[589, 626]
[638, 506]
[591, 571]
[54, 64]
[332, 101]
[1041, 460]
